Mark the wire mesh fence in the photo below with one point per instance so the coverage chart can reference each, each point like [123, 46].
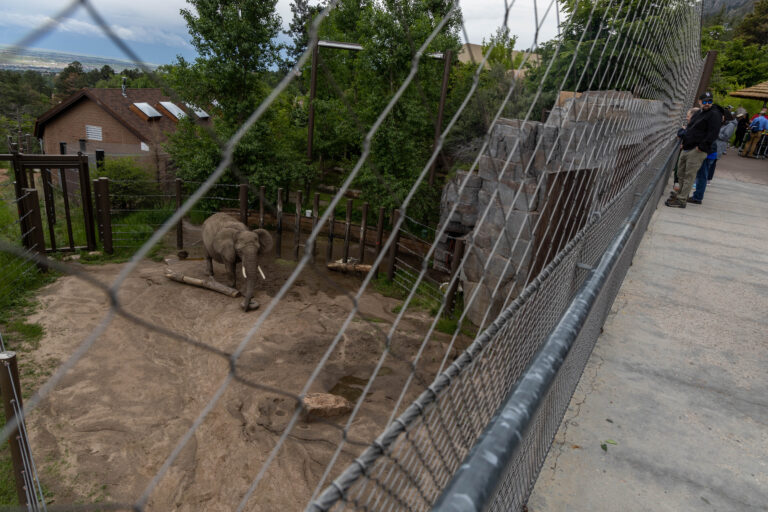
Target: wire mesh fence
[364, 401]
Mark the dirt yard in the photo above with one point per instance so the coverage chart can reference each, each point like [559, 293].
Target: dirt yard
[113, 420]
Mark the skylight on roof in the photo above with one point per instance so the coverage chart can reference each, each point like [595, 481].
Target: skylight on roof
[147, 109]
[202, 114]
[173, 109]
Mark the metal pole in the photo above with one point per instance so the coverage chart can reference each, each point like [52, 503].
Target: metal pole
[50, 207]
[9, 380]
[279, 237]
[458, 253]
[180, 225]
[440, 110]
[363, 229]
[312, 92]
[244, 203]
[395, 235]
[67, 214]
[85, 193]
[347, 230]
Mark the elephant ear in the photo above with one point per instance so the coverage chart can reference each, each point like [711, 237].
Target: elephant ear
[265, 240]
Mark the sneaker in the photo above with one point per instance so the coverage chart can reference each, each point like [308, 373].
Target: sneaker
[694, 200]
[674, 203]
[673, 194]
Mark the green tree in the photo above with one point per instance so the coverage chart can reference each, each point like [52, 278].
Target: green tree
[298, 28]
[753, 29]
[70, 80]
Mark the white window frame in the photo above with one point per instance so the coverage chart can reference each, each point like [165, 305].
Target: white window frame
[93, 132]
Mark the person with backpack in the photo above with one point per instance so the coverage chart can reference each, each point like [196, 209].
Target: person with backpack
[698, 140]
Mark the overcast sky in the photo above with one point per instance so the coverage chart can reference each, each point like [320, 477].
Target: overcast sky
[155, 30]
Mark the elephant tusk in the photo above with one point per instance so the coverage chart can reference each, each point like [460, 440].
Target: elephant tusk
[261, 272]
[244, 275]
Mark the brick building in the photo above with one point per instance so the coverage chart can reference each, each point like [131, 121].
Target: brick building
[121, 122]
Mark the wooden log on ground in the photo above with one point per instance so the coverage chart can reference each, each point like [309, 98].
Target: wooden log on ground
[210, 283]
[349, 267]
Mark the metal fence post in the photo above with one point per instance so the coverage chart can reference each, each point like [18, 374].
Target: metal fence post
[458, 253]
[9, 381]
[180, 225]
[244, 203]
[395, 236]
[50, 206]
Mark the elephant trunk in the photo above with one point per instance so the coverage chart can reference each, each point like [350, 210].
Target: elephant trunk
[251, 268]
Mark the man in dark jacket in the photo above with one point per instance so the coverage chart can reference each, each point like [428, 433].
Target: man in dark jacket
[696, 143]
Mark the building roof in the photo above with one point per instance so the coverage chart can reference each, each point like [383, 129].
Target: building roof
[122, 108]
[756, 92]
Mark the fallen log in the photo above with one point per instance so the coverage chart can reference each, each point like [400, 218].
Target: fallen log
[349, 267]
[210, 283]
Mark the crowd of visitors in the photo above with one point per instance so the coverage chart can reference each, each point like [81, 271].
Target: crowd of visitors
[704, 138]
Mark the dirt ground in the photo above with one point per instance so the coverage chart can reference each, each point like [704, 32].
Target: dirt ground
[113, 420]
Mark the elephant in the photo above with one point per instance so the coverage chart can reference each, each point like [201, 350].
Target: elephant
[228, 241]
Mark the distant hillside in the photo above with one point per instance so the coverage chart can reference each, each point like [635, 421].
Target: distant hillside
[52, 61]
[733, 8]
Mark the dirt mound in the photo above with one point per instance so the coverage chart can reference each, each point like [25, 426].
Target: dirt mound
[113, 420]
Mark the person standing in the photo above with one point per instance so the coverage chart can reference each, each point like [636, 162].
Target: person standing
[742, 124]
[697, 142]
[757, 128]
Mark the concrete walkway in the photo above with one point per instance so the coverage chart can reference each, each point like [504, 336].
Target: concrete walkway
[676, 389]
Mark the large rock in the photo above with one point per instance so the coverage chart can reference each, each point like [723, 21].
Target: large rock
[325, 405]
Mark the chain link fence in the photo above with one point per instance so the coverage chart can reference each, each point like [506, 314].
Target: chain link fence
[549, 214]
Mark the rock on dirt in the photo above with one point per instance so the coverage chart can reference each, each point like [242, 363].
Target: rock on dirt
[325, 405]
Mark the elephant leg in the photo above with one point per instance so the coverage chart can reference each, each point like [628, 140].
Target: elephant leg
[231, 276]
[208, 265]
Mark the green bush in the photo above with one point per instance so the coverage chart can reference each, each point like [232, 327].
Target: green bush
[131, 186]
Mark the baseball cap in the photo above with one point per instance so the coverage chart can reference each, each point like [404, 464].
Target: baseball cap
[706, 96]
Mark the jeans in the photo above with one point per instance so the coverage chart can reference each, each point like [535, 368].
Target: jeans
[701, 178]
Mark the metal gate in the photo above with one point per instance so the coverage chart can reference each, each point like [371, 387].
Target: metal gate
[67, 206]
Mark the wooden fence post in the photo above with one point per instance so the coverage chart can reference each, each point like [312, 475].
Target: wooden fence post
[458, 253]
[99, 212]
[261, 207]
[363, 229]
[10, 388]
[315, 213]
[395, 236]
[331, 226]
[67, 214]
[244, 203]
[85, 191]
[279, 235]
[379, 236]
[103, 204]
[297, 227]
[50, 206]
[180, 224]
[347, 230]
